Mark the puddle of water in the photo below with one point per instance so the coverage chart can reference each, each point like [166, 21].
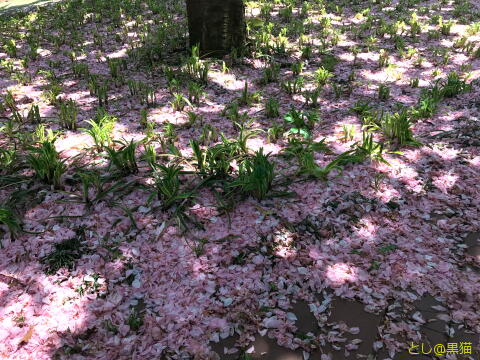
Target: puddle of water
[473, 242]
[353, 314]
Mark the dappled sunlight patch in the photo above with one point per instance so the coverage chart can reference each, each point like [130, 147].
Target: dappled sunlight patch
[121, 53]
[367, 229]
[258, 143]
[408, 176]
[445, 153]
[475, 161]
[445, 181]
[35, 319]
[339, 274]
[124, 131]
[73, 144]
[227, 81]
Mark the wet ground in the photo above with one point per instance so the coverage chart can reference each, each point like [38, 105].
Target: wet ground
[473, 242]
[435, 328]
[352, 313]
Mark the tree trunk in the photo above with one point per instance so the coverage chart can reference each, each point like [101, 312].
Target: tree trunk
[217, 26]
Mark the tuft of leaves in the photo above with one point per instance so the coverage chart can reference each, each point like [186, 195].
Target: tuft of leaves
[124, 159]
[167, 184]
[46, 162]
[65, 254]
[8, 219]
[255, 176]
[101, 131]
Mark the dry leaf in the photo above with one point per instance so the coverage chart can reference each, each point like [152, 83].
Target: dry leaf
[28, 335]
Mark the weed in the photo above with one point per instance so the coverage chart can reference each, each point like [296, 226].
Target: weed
[150, 156]
[7, 157]
[209, 134]
[135, 320]
[361, 107]
[33, 115]
[100, 90]
[65, 254]
[169, 132]
[143, 118]
[414, 82]
[338, 90]
[196, 68]
[240, 143]
[476, 53]
[115, 66]
[271, 73]
[92, 284]
[145, 94]
[322, 76]
[232, 112]
[329, 61]
[124, 159]
[275, 133]
[247, 98]
[167, 184]
[68, 114]
[194, 118]
[286, 13]
[80, 70]
[367, 149]
[255, 176]
[41, 134]
[52, 91]
[399, 43]
[397, 127]
[311, 97]
[10, 48]
[214, 161]
[174, 86]
[348, 132]
[473, 28]
[22, 77]
[308, 166]
[102, 95]
[383, 92]
[89, 179]
[454, 85]
[428, 102]
[415, 27]
[293, 86]
[307, 52]
[46, 163]
[297, 68]
[272, 108]
[9, 100]
[8, 219]
[179, 102]
[20, 320]
[376, 183]
[101, 131]
[301, 123]
[150, 133]
[280, 43]
[383, 59]
[460, 43]
[195, 92]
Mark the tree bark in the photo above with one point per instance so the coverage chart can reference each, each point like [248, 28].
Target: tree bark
[217, 26]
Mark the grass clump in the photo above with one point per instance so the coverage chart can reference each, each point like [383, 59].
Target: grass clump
[65, 254]
[47, 164]
[255, 176]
